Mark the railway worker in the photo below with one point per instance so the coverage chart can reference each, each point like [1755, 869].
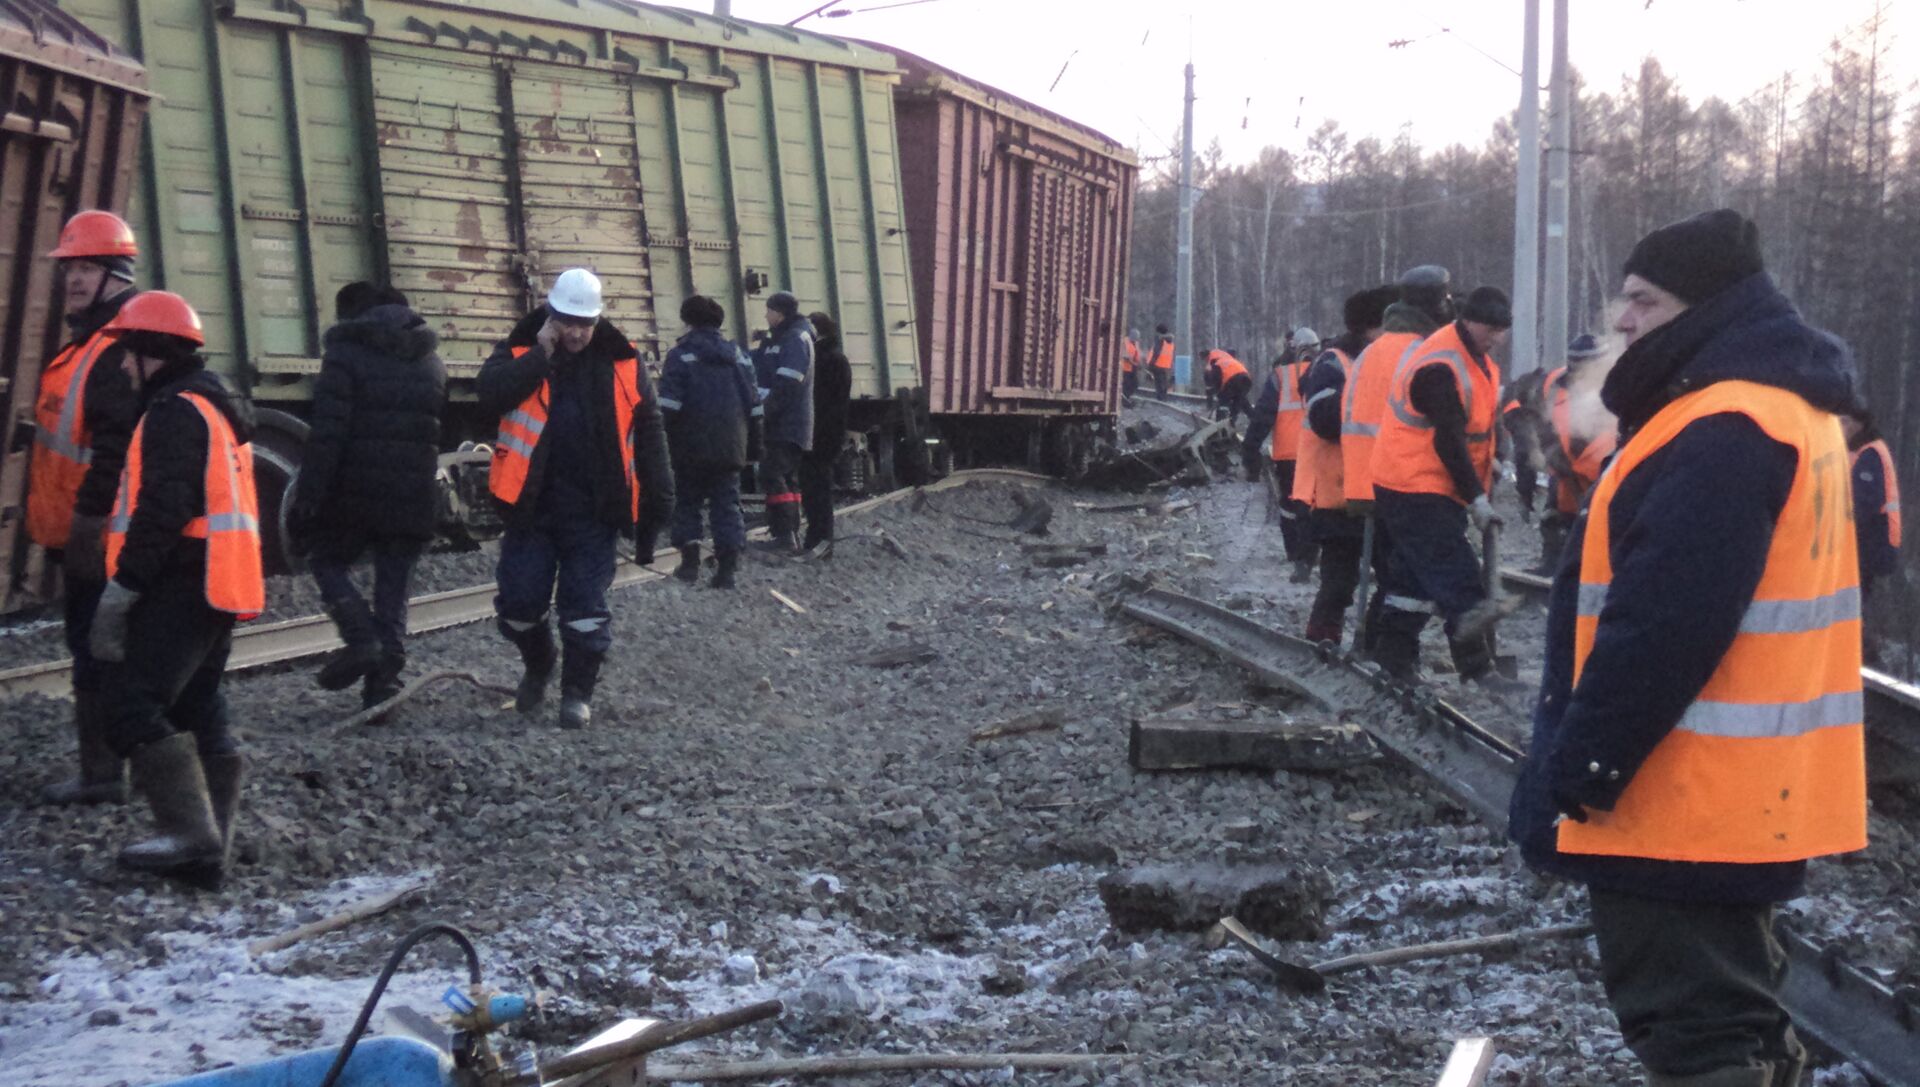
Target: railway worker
[1317, 481]
[1275, 421]
[1876, 511]
[183, 560]
[1162, 361]
[832, 396]
[784, 365]
[1522, 418]
[1130, 362]
[1425, 303]
[1698, 733]
[581, 459]
[368, 479]
[83, 417]
[1432, 474]
[1228, 383]
[1579, 437]
[713, 422]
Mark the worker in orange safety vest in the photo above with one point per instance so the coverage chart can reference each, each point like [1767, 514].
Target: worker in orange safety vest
[1162, 361]
[1578, 437]
[1130, 362]
[1698, 732]
[183, 562]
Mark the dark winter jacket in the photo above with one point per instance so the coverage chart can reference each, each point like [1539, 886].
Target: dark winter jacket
[784, 367]
[832, 393]
[505, 382]
[111, 406]
[1266, 407]
[373, 446]
[1323, 384]
[710, 403]
[1878, 557]
[173, 474]
[1690, 529]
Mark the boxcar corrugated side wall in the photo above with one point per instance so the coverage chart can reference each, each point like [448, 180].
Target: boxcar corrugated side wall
[70, 110]
[1020, 222]
[472, 151]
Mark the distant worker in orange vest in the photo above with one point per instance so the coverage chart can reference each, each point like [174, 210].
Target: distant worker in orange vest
[1228, 383]
[1130, 362]
[1274, 424]
[581, 460]
[83, 417]
[1432, 475]
[1162, 362]
[1318, 480]
[1579, 436]
[1698, 732]
[1876, 511]
[183, 559]
[1425, 303]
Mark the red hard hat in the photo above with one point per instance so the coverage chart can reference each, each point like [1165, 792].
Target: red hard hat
[96, 234]
[157, 311]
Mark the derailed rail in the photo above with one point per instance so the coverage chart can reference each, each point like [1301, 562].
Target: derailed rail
[1838, 1004]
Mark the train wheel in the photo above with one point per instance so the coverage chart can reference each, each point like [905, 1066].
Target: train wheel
[1069, 450]
[277, 447]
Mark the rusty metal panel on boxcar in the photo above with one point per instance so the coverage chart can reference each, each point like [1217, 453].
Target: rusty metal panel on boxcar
[1020, 221]
[70, 110]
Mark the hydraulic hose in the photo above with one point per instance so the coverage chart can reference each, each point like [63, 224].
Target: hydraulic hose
[400, 950]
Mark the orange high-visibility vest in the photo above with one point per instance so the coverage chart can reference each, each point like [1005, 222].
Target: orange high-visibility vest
[520, 431]
[1587, 457]
[1404, 459]
[229, 522]
[1768, 764]
[1891, 507]
[1225, 365]
[1163, 356]
[63, 443]
[1319, 479]
[1291, 412]
[1130, 356]
[1362, 404]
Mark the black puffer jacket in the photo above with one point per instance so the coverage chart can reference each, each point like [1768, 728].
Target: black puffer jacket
[374, 445]
[505, 382]
[173, 474]
[112, 409]
[832, 391]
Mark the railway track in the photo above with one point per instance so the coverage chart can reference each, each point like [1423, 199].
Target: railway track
[264, 644]
[1840, 1005]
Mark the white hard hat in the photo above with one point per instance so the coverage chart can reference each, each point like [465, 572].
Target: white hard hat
[576, 293]
[1305, 337]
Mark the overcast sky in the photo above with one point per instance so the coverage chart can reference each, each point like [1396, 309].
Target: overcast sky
[1270, 71]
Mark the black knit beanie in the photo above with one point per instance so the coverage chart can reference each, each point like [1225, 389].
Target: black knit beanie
[1368, 309]
[1697, 258]
[1488, 306]
[783, 303]
[699, 311]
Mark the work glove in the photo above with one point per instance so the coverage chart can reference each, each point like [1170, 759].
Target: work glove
[108, 641]
[1481, 510]
[86, 557]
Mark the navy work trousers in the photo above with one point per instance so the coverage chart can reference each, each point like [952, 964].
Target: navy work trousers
[717, 492]
[568, 563]
[1432, 568]
[393, 559]
[79, 598]
[1295, 531]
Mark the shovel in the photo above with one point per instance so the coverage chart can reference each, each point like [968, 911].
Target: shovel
[1300, 978]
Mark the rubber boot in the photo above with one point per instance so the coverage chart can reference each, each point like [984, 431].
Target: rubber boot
[1553, 540]
[537, 655]
[347, 665]
[689, 568]
[168, 773]
[579, 672]
[1302, 572]
[729, 562]
[1322, 631]
[1396, 652]
[384, 681]
[103, 774]
[225, 772]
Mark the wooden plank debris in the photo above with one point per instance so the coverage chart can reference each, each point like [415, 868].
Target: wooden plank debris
[1206, 743]
[896, 656]
[359, 911]
[1041, 720]
[1468, 1064]
[792, 605]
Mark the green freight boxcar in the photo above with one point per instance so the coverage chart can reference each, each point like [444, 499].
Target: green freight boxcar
[468, 152]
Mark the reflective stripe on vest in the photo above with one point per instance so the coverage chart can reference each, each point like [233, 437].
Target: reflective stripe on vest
[1768, 762]
[1404, 457]
[1290, 410]
[1363, 402]
[1319, 477]
[63, 444]
[1890, 480]
[521, 428]
[229, 521]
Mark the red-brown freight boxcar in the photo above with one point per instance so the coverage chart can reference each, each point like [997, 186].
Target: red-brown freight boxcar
[70, 110]
[1018, 224]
